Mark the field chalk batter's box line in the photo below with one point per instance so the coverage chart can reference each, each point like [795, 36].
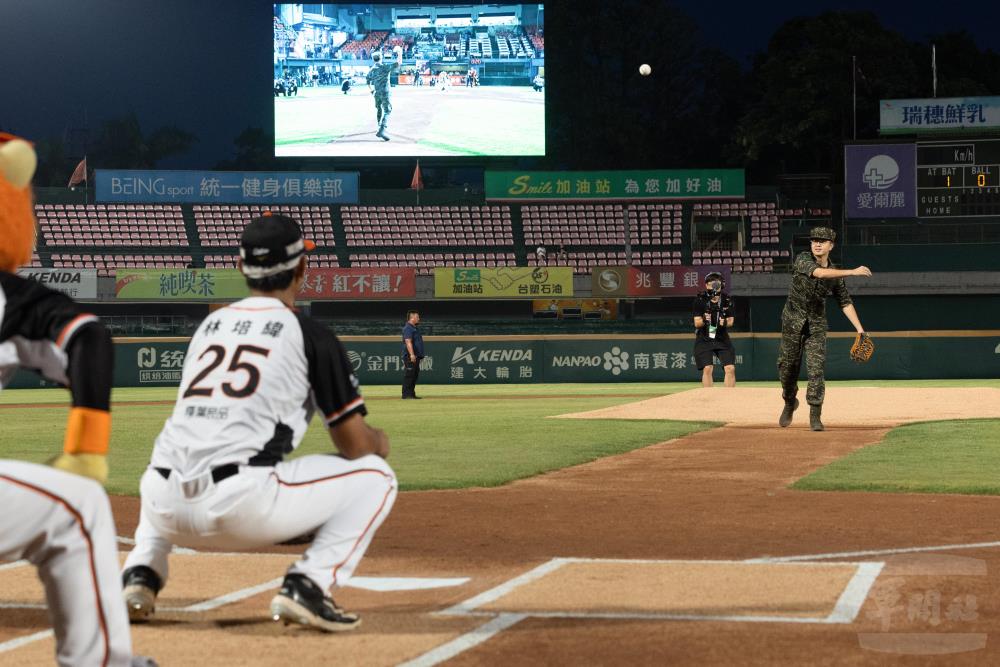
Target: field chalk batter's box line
[845, 610]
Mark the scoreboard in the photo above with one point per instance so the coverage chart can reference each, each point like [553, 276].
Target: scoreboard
[958, 178]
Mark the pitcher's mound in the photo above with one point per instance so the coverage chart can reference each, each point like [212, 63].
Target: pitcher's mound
[844, 406]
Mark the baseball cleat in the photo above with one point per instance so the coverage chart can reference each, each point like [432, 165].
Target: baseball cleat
[140, 586]
[786, 415]
[301, 601]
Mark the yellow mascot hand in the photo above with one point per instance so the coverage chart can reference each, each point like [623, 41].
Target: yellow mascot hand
[94, 466]
[85, 448]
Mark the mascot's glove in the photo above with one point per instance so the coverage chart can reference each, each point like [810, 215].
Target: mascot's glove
[85, 449]
[94, 466]
[862, 349]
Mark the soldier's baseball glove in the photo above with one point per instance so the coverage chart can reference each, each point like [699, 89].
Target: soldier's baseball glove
[862, 349]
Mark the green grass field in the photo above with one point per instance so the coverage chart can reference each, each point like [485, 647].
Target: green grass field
[465, 436]
[424, 121]
[928, 457]
[499, 435]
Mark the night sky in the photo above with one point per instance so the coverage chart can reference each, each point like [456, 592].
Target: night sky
[205, 65]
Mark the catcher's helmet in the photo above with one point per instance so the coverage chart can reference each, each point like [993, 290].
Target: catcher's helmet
[377, 57]
[715, 275]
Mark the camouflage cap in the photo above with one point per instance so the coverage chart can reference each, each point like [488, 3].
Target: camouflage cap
[823, 233]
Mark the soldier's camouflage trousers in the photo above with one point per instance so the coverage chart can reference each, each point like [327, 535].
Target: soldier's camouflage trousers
[382, 110]
[798, 342]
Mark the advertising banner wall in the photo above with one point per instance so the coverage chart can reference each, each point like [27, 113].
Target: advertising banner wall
[652, 280]
[647, 184]
[880, 180]
[668, 358]
[180, 284]
[915, 116]
[226, 187]
[503, 283]
[368, 283]
[78, 283]
[318, 285]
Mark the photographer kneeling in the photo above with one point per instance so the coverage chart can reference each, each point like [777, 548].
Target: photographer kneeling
[713, 316]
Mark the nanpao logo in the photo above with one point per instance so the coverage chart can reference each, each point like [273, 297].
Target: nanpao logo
[881, 172]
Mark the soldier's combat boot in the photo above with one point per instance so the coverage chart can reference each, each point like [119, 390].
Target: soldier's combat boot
[786, 415]
[814, 414]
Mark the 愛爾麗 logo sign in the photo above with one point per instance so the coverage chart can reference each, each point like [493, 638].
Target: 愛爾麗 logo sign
[880, 180]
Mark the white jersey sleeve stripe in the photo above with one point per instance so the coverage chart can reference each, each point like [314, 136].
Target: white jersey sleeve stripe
[353, 405]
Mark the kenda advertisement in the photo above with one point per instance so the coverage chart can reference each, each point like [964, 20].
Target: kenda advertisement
[77, 283]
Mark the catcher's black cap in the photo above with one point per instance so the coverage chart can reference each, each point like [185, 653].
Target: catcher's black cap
[272, 243]
[714, 275]
[823, 234]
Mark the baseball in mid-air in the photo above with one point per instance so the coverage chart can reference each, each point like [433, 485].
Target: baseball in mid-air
[645, 69]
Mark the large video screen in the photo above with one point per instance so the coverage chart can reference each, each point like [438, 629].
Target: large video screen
[377, 80]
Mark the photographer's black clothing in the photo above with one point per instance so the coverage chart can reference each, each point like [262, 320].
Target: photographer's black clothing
[706, 347]
[718, 312]
[704, 350]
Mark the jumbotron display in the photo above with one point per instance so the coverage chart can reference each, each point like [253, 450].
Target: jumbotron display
[381, 80]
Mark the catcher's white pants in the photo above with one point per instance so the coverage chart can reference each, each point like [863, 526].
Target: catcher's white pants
[62, 524]
[343, 502]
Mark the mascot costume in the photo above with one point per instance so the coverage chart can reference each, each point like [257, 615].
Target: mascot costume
[58, 517]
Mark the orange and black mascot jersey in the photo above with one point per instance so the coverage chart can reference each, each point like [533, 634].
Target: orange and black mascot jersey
[46, 331]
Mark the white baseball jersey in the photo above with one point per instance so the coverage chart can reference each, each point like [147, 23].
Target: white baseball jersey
[254, 373]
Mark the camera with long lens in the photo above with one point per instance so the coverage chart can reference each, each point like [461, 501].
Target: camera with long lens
[716, 313]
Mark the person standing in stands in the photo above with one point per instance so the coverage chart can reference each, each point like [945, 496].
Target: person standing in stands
[413, 352]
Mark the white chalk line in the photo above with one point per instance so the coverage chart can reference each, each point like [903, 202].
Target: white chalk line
[229, 598]
[499, 591]
[855, 593]
[12, 644]
[465, 642]
[873, 552]
[849, 603]
[845, 610]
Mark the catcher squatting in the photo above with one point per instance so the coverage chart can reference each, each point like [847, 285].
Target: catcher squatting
[804, 326]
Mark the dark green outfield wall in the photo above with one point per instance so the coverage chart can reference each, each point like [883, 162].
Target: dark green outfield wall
[514, 360]
[894, 313]
[924, 257]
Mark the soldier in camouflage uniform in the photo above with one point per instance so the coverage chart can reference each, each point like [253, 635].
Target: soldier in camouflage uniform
[803, 323]
[378, 82]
